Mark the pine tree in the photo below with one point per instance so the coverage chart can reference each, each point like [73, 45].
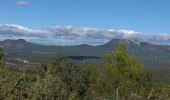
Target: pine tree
[133, 78]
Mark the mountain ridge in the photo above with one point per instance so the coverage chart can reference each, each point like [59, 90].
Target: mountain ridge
[148, 53]
[111, 42]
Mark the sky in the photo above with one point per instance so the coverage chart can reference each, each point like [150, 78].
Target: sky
[91, 21]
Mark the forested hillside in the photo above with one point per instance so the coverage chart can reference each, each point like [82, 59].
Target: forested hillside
[20, 51]
[122, 77]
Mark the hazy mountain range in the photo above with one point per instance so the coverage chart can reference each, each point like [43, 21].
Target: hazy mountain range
[152, 55]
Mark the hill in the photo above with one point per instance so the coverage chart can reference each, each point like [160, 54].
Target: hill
[152, 55]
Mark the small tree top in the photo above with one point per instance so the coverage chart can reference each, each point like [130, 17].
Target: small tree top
[1, 53]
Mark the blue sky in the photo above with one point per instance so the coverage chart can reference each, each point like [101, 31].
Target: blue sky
[150, 16]
[71, 22]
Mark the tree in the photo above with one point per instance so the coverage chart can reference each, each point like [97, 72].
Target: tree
[48, 85]
[1, 53]
[122, 78]
[134, 79]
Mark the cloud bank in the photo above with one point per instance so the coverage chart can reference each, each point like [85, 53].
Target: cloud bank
[58, 35]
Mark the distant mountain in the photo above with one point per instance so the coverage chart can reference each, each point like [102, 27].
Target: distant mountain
[152, 55]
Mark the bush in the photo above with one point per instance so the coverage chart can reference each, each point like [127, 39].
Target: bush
[122, 78]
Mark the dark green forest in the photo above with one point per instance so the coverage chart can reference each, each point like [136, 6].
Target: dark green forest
[122, 77]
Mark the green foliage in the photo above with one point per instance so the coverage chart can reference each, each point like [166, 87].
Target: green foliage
[122, 78]
[1, 53]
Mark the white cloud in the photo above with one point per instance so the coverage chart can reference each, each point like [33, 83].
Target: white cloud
[69, 35]
[22, 3]
[16, 30]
